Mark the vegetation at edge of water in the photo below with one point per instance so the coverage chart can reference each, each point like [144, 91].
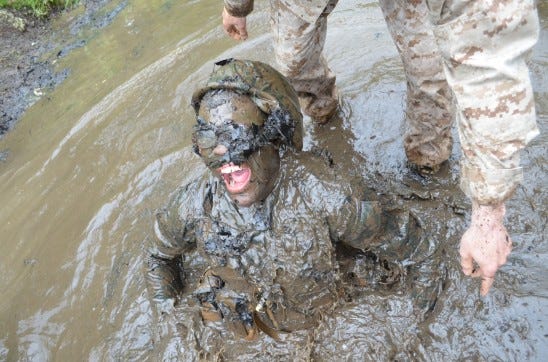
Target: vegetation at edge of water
[39, 8]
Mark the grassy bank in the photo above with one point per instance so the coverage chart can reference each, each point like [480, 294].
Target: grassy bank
[39, 8]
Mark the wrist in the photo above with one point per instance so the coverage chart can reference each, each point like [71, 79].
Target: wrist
[487, 215]
[238, 13]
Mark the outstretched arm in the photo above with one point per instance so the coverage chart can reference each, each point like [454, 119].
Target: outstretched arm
[163, 261]
[485, 49]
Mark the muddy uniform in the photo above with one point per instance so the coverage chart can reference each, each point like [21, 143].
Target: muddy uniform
[274, 260]
[272, 266]
[475, 50]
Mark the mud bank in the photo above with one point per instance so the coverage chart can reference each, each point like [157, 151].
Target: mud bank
[28, 55]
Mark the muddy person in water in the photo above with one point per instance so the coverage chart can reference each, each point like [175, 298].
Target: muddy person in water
[269, 218]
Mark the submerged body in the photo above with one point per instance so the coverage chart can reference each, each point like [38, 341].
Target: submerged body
[268, 218]
[286, 240]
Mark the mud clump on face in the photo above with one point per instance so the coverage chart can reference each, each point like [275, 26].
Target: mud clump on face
[230, 119]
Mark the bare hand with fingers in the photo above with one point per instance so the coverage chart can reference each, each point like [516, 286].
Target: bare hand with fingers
[486, 243]
[234, 26]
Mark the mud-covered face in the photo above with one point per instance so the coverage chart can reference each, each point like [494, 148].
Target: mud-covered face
[230, 119]
[227, 138]
[238, 140]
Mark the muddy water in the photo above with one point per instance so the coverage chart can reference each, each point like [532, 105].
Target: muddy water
[89, 164]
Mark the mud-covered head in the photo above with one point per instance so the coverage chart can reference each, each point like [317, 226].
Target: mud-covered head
[245, 114]
[271, 93]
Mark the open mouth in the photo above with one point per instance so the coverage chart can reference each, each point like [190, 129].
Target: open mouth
[235, 177]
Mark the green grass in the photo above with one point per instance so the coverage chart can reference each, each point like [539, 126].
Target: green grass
[39, 8]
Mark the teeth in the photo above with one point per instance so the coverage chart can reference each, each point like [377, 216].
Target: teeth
[230, 169]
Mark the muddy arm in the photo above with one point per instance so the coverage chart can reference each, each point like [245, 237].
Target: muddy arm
[357, 223]
[239, 8]
[164, 257]
[163, 278]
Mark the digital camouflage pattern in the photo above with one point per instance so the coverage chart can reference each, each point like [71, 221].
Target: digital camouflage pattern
[484, 45]
[297, 29]
[429, 116]
[464, 54]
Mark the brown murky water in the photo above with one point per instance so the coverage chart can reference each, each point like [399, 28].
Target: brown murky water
[91, 162]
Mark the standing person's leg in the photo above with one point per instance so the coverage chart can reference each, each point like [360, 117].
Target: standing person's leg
[429, 117]
[299, 37]
[485, 45]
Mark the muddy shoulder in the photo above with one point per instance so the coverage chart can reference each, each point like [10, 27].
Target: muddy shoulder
[29, 48]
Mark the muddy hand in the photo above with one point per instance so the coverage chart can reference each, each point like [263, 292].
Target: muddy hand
[235, 27]
[486, 243]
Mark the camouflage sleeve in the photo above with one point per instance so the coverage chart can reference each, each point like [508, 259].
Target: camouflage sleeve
[239, 8]
[485, 45]
[173, 236]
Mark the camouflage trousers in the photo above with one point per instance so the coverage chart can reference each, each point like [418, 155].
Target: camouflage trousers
[463, 60]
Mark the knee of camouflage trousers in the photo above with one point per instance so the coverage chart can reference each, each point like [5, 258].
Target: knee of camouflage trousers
[299, 37]
[428, 141]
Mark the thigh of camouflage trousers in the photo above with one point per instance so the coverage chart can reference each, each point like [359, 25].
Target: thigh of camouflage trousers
[485, 45]
[298, 30]
[429, 113]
